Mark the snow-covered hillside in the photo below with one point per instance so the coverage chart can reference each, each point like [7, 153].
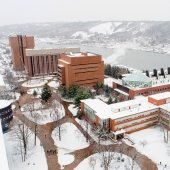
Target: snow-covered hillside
[105, 28]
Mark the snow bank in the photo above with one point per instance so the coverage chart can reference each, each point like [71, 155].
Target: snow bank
[54, 84]
[151, 143]
[34, 83]
[36, 156]
[115, 164]
[71, 140]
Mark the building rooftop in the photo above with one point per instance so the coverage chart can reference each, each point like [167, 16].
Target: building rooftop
[80, 54]
[4, 103]
[121, 109]
[161, 96]
[50, 51]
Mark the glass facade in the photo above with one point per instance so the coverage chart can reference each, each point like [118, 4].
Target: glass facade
[90, 113]
[6, 116]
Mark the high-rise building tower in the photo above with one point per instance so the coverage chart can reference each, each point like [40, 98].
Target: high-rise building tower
[19, 44]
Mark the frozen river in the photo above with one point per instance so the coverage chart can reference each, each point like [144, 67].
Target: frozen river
[133, 58]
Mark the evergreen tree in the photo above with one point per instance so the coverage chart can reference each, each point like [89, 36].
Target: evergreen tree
[110, 101]
[34, 93]
[63, 90]
[72, 91]
[82, 94]
[46, 93]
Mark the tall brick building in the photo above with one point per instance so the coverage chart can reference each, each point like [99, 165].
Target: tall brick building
[84, 69]
[19, 44]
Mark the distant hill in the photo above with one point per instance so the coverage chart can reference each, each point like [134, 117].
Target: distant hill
[155, 32]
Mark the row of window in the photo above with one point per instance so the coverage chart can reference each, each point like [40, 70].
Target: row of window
[156, 90]
[5, 112]
[138, 122]
[7, 118]
[132, 118]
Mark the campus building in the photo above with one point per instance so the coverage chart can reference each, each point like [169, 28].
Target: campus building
[145, 84]
[129, 116]
[45, 61]
[84, 69]
[19, 44]
[5, 113]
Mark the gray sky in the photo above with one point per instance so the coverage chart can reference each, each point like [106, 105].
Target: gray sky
[27, 11]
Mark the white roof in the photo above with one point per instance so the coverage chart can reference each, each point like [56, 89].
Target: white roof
[161, 96]
[1, 81]
[3, 155]
[4, 103]
[145, 106]
[80, 54]
[52, 51]
[105, 111]
[101, 109]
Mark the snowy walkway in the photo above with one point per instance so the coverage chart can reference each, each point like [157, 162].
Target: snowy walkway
[45, 132]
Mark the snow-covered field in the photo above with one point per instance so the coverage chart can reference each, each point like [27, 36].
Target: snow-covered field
[96, 161]
[151, 143]
[54, 84]
[38, 90]
[37, 112]
[36, 157]
[71, 140]
[34, 83]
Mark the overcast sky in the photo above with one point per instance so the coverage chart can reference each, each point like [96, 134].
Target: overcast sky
[28, 11]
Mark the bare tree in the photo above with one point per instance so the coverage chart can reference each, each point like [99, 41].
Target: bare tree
[57, 113]
[92, 162]
[107, 155]
[35, 117]
[22, 134]
[131, 162]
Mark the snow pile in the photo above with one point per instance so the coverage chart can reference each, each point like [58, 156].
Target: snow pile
[54, 84]
[72, 109]
[36, 157]
[34, 83]
[71, 140]
[151, 143]
[124, 163]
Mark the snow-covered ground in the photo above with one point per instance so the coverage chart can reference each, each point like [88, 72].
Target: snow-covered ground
[72, 109]
[96, 161]
[151, 143]
[102, 97]
[38, 90]
[84, 125]
[54, 84]
[36, 157]
[71, 140]
[34, 83]
[37, 113]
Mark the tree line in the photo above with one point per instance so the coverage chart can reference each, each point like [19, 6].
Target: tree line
[115, 71]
